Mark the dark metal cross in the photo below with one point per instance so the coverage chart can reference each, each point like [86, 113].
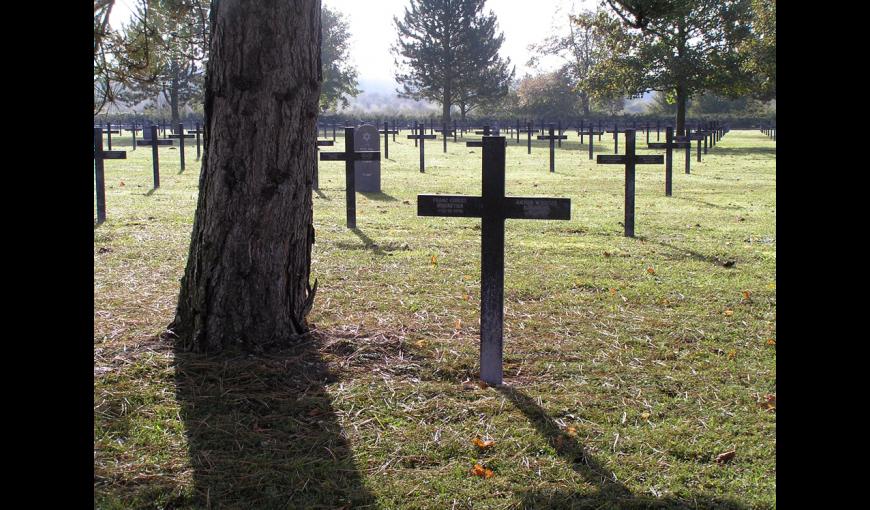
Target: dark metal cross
[387, 132]
[592, 139]
[629, 159]
[422, 138]
[669, 145]
[493, 207]
[445, 133]
[181, 136]
[615, 132]
[552, 137]
[109, 132]
[688, 138]
[99, 171]
[320, 143]
[349, 156]
[197, 132]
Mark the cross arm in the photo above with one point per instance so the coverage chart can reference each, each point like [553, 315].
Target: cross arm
[114, 154]
[460, 206]
[352, 156]
[537, 208]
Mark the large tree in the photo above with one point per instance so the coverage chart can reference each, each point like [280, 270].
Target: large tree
[679, 47]
[447, 52]
[580, 49]
[339, 76]
[246, 283]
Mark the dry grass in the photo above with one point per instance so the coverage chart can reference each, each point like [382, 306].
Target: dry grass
[623, 385]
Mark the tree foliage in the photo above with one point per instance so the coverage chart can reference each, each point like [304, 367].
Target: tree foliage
[679, 47]
[581, 49]
[339, 76]
[548, 95]
[447, 52]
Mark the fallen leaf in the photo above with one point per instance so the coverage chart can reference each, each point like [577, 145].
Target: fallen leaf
[434, 260]
[483, 445]
[482, 471]
[607, 254]
[466, 277]
[725, 457]
[457, 324]
[768, 403]
[420, 343]
[571, 431]
[729, 313]
[465, 297]
[650, 270]
[122, 183]
[746, 295]
[771, 341]
[612, 291]
[732, 354]
[644, 416]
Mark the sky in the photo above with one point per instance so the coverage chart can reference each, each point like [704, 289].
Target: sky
[373, 32]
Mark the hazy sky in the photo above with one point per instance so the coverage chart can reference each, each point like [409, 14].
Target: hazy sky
[373, 32]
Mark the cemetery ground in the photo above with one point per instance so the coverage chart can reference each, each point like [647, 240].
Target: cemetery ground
[639, 373]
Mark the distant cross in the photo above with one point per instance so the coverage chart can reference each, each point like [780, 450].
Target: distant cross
[669, 146]
[552, 137]
[688, 139]
[109, 133]
[592, 139]
[518, 130]
[445, 133]
[422, 138]
[155, 158]
[580, 132]
[99, 171]
[658, 127]
[615, 132]
[197, 132]
[181, 136]
[528, 131]
[320, 143]
[134, 135]
[387, 132]
[349, 156]
[629, 159]
[493, 207]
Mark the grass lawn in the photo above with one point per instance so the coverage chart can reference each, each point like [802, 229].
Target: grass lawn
[630, 364]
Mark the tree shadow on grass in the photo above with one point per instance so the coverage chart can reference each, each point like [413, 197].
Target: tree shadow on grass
[262, 431]
[709, 204]
[378, 196]
[322, 195]
[610, 493]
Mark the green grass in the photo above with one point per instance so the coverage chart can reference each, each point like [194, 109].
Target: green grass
[630, 364]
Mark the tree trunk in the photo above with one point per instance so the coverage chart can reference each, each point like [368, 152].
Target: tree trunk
[173, 96]
[682, 99]
[247, 278]
[445, 110]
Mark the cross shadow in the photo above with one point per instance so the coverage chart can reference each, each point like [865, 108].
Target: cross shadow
[262, 431]
[378, 196]
[709, 204]
[367, 242]
[610, 493]
[322, 195]
[686, 252]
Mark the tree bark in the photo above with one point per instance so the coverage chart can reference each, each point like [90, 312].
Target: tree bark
[247, 278]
